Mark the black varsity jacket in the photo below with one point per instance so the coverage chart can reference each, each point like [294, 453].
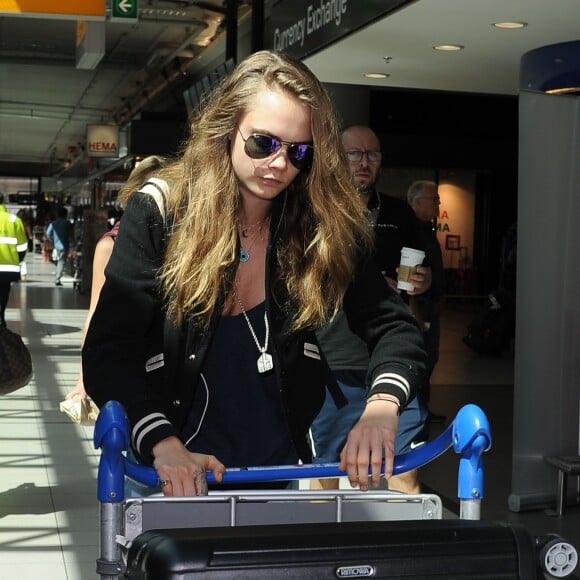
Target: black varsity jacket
[125, 358]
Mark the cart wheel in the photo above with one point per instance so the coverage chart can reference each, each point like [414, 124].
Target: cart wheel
[558, 557]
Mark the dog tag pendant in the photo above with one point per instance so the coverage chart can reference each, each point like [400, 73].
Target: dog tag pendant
[265, 363]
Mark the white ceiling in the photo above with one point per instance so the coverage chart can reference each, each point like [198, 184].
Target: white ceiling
[489, 63]
[46, 103]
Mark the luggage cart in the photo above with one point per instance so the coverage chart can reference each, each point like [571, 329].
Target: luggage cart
[312, 534]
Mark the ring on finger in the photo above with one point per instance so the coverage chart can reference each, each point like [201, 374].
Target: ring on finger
[165, 482]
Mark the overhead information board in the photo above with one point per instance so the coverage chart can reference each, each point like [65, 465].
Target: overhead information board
[302, 27]
[56, 9]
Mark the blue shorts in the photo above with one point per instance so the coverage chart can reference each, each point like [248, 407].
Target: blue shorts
[330, 428]
[413, 426]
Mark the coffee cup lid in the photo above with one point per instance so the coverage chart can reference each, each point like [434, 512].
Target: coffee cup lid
[412, 251]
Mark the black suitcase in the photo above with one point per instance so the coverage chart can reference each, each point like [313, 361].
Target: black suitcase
[402, 550]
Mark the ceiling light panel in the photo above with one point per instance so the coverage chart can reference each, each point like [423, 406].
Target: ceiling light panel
[510, 25]
[448, 47]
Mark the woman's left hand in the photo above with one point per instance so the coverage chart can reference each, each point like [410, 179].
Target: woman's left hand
[369, 442]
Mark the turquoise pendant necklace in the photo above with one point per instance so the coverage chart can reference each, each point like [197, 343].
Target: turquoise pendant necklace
[245, 252]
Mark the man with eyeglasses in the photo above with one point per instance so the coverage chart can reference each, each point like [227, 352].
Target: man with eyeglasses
[395, 226]
[423, 197]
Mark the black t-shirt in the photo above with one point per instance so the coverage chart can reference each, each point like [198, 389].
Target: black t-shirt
[395, 226]
[243, 422]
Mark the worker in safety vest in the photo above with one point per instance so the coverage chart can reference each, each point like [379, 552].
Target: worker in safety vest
[13, 247]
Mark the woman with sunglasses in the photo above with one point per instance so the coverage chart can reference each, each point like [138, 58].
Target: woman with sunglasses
[204, 329]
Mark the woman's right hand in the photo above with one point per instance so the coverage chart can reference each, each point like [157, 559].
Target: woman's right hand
[183, 472]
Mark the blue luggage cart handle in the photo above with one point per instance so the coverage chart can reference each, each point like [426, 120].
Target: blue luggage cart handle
[469, 434]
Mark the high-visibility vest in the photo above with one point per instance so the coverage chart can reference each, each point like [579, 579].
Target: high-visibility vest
[13, 240]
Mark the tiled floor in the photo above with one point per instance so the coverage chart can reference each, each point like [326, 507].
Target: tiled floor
[49, 515]
[48, 512]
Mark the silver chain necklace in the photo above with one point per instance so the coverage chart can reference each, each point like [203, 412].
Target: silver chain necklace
[265, 362]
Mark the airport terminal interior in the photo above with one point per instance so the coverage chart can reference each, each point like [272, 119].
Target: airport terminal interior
[49, 522]
[444, 86]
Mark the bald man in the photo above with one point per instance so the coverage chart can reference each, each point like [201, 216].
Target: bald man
[395, 226]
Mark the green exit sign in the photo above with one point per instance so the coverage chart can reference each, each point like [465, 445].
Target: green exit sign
[124, 10]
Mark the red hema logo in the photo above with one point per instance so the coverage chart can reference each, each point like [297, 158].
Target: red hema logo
[102, 146]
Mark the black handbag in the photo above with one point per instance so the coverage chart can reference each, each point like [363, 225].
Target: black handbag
[15, 362]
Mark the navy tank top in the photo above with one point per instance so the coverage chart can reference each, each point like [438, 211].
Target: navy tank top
[237, 413]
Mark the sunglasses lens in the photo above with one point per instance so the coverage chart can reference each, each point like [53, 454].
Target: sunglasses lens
[300, 155]
[261, 146]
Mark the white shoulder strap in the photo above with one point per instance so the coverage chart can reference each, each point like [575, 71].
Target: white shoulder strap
[158, 189]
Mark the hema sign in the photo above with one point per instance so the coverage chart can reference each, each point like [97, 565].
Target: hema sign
[102, 141]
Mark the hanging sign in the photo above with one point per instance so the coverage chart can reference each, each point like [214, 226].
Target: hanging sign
[302, 27]
[102, 141]
[124, 11]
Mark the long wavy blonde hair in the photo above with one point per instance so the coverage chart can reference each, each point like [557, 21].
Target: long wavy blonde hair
[324, 228]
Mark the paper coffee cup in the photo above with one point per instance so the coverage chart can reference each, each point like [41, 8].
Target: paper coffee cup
[410, 259]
